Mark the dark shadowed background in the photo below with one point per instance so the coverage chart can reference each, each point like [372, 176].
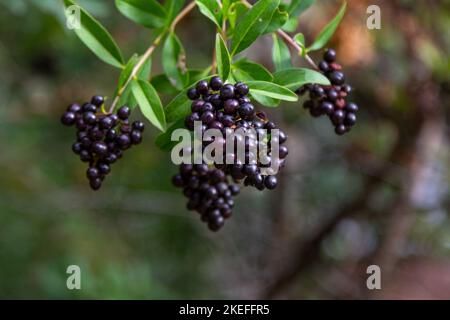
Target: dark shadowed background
[379, 195]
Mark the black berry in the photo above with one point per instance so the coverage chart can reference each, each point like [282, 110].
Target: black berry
[68, 118]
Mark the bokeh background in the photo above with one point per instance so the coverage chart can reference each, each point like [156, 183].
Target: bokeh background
[379, 195]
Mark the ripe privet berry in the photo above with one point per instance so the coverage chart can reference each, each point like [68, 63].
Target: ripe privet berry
[330, 56]
[210, 189]
[101, 137]
[193, 94]
[227, 92]
[241, 89]
[89, 107]
[331, 100]
[123, 113]
[202, 88]
[68, 118]
[215, 84]
[97, 101]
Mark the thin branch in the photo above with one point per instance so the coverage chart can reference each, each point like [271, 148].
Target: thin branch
[150, 51]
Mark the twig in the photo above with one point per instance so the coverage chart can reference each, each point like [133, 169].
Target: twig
[149, 52]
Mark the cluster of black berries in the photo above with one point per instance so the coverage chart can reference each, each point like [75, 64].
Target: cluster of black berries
[226, 107]
[208, 191]
[331, 100]
[101, 137]
[250, 170]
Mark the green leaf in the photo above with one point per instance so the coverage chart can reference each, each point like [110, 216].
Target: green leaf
[149, 103]
[148, 13]
[164, 140]
[279, 19]
[329, 30]
[297, 7]
[211, 10]
[252, 25]
[173, 61]
[271, 90]
[296, 77]
[251, 71]
[97, 38]
[266, 101]
[255, 72]
[281, 55]
[222, 58]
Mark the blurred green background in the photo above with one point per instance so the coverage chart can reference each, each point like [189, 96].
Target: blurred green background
[378, 195]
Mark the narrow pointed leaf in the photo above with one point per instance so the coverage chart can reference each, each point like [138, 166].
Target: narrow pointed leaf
[251, 71]
[97, 38]
[252, 25]
[296, 77]
[211, 10]
[297, 7]
[281, 55]
[149, 13]
[328, 31]
[254, 72]
[149, 103]
[272, 90]
[174, 61]
[222, 58]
